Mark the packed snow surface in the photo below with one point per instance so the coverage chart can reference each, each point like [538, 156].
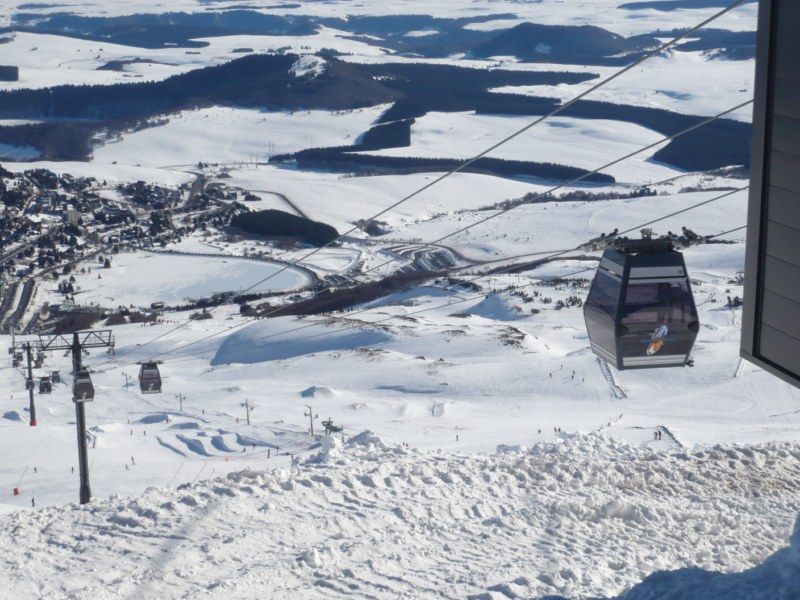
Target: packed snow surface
[141, 278]
[581, 516]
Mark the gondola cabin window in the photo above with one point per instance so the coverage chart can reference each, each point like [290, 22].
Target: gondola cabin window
[648, 303]
[604, 295]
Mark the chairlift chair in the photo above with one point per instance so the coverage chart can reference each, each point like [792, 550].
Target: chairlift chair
[149, 378]
[640, 312]
[55, 376]
[82, 388]
[45, 386]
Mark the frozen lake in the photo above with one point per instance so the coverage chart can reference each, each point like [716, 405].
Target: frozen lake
[144, 277]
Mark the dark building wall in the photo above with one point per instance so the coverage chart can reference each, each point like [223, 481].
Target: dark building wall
[771, 322]
[9, 73]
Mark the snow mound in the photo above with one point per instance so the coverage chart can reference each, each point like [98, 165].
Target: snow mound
[366, 440]
[155, 418]
[12, 415]
[253, 344]
[317, 391]
[330, 448]
[582, 516]
[777, 577]
[185, 425]
[495, 307]
[308, 66]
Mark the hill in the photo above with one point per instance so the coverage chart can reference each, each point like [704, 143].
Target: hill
[276, 223]
[585, 44]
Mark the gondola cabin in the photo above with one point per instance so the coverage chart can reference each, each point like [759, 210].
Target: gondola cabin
[149, 378]
[640, 312]
[45, 386]
[82, 388]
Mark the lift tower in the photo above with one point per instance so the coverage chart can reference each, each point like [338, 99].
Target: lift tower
[81, 340]
[27, 348]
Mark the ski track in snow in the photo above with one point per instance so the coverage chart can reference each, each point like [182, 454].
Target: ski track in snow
[582, 516]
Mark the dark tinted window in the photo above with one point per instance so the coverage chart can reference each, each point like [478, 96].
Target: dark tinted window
[604, 295]
[657, 303]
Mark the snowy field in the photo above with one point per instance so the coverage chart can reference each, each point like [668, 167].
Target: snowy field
[338, 200]
[227, 135]
[137, 279]
[584, 143]
[45, 60]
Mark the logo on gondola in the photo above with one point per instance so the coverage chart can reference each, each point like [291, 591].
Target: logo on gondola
[657, 340]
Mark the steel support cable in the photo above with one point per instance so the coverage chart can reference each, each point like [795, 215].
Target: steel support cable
[492, 216]
[440, 306]
[582, 177]
[183, 357]
[463, 300]
[707, 237]
[499, 213]
[466, 163]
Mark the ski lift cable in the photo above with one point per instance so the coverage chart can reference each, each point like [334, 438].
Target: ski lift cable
[475, 278]
[672, 214]
[555, 188]
[648, 55]
[439, 306]
[463, 300]
[183, 357]
[492, 216]
[707, 237]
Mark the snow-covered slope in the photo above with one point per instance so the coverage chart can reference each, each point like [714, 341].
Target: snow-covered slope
[583, 516]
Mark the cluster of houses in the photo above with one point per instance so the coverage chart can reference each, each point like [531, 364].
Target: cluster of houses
[49, 219]
[51, 223]
[146, 195]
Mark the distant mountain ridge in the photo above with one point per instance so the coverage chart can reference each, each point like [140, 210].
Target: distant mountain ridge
[444, 37]
[76, 115]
